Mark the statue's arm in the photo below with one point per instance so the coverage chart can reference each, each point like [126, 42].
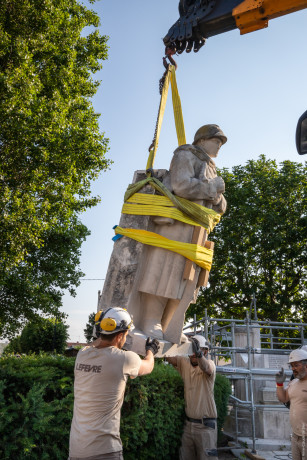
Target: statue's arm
[185, 184]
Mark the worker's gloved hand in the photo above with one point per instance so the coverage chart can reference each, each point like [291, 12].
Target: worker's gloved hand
[152, 345]
[196, 348]
[280, 377]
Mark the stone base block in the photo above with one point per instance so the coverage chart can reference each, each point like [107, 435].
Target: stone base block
[136, 342]
[264, 445]
[274, 423]
[269, 423]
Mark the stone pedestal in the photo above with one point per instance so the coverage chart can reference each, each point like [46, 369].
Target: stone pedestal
[274, 423]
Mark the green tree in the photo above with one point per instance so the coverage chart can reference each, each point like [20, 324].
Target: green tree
[50, 151]
[45, 335]
[88, 331]
[50, 144]
[260, 244]
[37, 285]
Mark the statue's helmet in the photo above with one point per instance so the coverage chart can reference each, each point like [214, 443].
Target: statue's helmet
[209, 131]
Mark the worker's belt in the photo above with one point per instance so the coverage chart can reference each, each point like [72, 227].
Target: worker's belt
[209, 422]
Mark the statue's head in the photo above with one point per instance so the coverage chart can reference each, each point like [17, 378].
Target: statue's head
[208, 132]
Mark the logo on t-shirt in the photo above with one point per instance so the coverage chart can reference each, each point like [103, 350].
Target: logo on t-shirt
[88, 368]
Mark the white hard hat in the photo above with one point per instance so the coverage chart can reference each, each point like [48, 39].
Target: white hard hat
[297, 355]
[203, 343]
[112, 320]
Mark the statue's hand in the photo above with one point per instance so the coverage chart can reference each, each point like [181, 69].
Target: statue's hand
[218, 199]
[219, 184]
[216, 187]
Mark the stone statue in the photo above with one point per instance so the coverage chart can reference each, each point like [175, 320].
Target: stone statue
[192, 175]
[156, 285]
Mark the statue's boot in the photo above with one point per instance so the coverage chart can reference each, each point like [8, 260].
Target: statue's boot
[152, 311]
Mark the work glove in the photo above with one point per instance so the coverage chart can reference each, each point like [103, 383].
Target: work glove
[280, 377]
[196, 348]
[152, 345]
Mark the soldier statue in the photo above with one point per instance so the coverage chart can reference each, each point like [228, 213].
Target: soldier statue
[192, 175]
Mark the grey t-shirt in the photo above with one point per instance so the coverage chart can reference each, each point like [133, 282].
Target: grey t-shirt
[100, 381]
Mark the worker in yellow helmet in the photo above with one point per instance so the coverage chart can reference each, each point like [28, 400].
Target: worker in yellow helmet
[101, 373]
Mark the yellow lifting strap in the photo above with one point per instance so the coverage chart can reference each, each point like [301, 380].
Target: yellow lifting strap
[192, 210]
[198, 254]
[170, 77]
[143, 204]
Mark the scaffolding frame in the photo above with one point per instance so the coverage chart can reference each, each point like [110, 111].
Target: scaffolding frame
[219, 334]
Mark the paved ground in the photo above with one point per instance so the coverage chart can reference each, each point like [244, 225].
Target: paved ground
[226, 456]
[267, 449]
[267, 455]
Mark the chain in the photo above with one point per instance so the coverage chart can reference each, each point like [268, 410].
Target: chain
[161, 84]
[168, 54]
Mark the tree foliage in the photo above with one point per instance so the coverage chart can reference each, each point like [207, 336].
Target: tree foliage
[50, 146]
[88, 331]
[260, 244]
[45, 335]
[37, 284]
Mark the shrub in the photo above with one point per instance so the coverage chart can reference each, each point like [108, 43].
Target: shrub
[153, 415]
[44, 335]
[222, 391]
[36, 402]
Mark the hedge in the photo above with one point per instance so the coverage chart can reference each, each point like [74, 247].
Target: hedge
[36, 402]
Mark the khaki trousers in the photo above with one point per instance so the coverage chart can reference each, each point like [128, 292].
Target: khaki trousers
[110, 456]
[299, 448]
[198, 442]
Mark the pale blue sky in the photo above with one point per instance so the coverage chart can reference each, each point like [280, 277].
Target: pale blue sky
[253, 86]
